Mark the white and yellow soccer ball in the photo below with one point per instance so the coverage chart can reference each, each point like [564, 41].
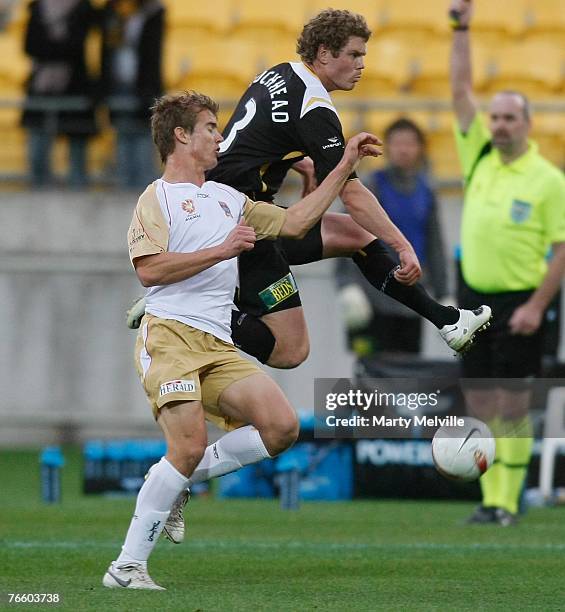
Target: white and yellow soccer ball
[463, 452]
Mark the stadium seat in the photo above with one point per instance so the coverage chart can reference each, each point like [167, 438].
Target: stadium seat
[281, 48]
[502, 16]
[546, 16]
[386, 68]
[370, 9]
[13, 143]
[444, 163]
[212, 15]
[223, 69]
[14, 64]
[414, 17]
[260, 19]
[534, 67]
[429, 74]
[352, 120]
[548, 130]
[429, 68]
[376, 121]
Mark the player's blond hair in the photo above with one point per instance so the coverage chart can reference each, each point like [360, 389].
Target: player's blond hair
[331, 28]
[177, 110]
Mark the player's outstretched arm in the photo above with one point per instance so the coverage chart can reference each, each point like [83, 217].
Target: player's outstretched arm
[460, 71]
[168, 268]
[366, 210]
[307, 212]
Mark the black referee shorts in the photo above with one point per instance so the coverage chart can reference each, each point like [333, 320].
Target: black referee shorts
[266, 283]
[498, 353]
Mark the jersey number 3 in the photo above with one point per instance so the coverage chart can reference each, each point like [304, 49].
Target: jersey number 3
[250, 110]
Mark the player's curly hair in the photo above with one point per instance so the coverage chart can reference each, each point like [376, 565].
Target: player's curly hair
[331, 28]
[176, 110]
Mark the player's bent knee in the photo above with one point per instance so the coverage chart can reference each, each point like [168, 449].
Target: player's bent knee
[185, 457]
[281, 434]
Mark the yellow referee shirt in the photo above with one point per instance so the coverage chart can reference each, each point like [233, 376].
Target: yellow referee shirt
[512, 213]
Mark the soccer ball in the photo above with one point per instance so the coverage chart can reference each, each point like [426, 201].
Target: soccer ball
[463, 452]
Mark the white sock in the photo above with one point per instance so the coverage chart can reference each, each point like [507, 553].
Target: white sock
[152, 509]
[237, 448]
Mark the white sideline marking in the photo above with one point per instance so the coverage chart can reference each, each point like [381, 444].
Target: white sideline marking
[311, 546]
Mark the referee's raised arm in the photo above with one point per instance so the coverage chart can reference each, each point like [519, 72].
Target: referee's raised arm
[460, 71]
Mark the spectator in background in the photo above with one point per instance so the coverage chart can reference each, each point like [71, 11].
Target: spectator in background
[131, 77]
[375, 322]
[55, 42]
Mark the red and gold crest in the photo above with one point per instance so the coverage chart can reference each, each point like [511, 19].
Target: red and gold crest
[188, 206]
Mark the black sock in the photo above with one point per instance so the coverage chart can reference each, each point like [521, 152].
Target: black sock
[251, 335]
[378, 268]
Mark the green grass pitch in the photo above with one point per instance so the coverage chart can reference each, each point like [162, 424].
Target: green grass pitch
[250, 555]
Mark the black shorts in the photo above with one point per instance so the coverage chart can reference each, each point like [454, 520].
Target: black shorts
[266, 283]
[498, 353]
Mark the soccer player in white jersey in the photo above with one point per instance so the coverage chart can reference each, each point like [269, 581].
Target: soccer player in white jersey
[184, 239]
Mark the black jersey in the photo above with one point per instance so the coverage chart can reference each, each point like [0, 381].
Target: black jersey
[285, 114]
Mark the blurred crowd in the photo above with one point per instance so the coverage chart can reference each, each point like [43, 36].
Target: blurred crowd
[63, 97]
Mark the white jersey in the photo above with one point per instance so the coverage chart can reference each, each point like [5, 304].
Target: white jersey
[185, 218]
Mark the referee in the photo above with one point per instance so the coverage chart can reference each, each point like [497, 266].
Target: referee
[513, 217]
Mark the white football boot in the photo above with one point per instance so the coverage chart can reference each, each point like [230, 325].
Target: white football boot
[459, 336]
[174, 527]
[135, 313]
[129, 576]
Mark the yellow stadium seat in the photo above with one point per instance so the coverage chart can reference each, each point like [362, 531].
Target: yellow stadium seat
[377, 121]
[506, 16]
[546, 16]
[534, 67]
[14, 64]
[408, 15]
[552, 147]
[101, 153]
[211, 15]
[429, 68]
[442, 154]
[370, 9]
[548, 130]
[12, 143]
[222, 69]
[259, 19]
[386, 68]
[352, 121]
[281, 48]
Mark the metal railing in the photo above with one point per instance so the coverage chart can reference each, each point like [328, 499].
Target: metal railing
[53, 106]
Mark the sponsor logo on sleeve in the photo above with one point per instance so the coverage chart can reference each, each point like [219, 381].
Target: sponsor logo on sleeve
[226, 209]
[279, 291]
[177, 386]
[135, 236]
[334, 141]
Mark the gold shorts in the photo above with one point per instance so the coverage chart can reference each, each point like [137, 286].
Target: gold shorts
[177, 362]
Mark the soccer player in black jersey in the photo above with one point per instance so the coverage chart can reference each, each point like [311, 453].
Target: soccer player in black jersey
[287, 118]
[287, 115]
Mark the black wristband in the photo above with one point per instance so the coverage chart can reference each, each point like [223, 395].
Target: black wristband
[460, 28]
